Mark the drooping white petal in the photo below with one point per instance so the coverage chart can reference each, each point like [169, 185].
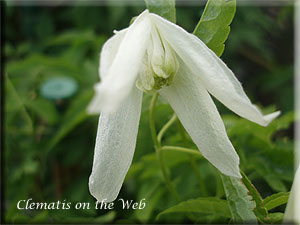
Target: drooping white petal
[115, 144]
[199, 116]
[109, 52]
[146, 80]
[292, 210]
[124, 69]
[217, 78]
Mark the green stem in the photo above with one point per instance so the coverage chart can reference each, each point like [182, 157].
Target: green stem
[158, 149]
[152, 122]
[181, 149]
[166, 127]
[185, 150]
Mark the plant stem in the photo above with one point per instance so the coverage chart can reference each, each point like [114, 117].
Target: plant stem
[158, 149]
[166, 127]
[181, 149]
[152, 122]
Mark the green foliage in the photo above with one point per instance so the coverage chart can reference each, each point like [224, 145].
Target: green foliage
[267, 155]
[276, 218]
[213, 27]
[17, 106]
[164, 8]
[43, 109]
[276, 200]
[75, 114]
[260, 210]
[241, 205]
[211, 206]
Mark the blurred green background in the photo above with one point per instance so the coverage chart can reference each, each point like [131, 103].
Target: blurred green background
[49, 143]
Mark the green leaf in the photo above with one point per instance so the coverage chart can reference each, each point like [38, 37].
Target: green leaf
[275, 200]
[106, 218]
[276, 218]
[103, 219]
[43, 108]
[74, 115]
[164, 8]
[150, 189]
[40, 217]
[240, 203]
[208, 205]
[275, 183]
[260, 211]
[213, 27]
[15, 104]
[239, 126]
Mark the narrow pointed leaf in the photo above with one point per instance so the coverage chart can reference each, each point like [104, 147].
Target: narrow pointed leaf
[208, 205]
[276, 218]
[19, 105]
[275, 200]
[75, 115]
[164, 8]
[240, 203]
[43, 108]
[213, 27]
[260, 210]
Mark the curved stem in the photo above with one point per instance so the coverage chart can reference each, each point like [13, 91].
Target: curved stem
[166, 127]
[158, 149]
[152, 122]
[181, 149]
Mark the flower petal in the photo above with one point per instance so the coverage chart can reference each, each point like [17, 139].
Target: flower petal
[291, 215]
[199, 116]
[109, 52]
[115, 145]
[124, 69]
[217, 78]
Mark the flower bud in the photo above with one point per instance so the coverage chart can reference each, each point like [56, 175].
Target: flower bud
[160, 65]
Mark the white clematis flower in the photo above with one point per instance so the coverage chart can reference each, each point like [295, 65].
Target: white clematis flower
[153, 54]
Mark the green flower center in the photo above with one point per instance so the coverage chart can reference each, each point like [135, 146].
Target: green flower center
[159, 66]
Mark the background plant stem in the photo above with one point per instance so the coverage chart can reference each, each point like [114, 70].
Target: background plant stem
[159, 150]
